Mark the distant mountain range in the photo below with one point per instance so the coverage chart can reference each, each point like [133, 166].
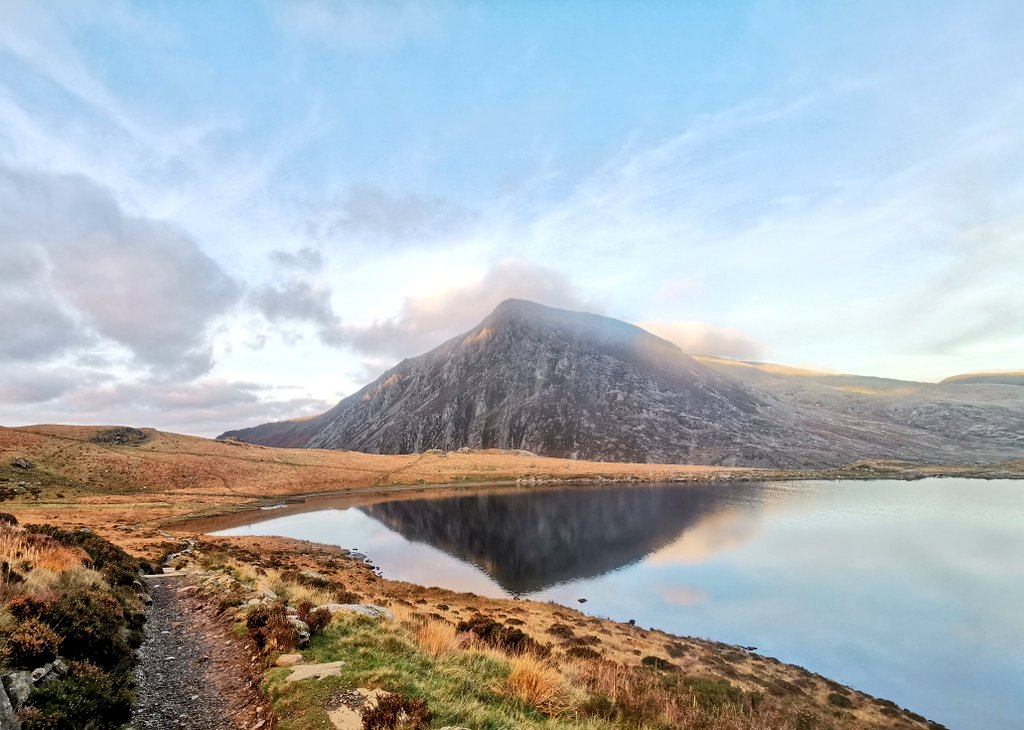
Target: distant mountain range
[579, 385]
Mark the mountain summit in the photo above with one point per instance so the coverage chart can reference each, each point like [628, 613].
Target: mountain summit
[583, 386]
[542, 379]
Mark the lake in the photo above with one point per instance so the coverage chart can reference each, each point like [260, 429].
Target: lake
[912, 591]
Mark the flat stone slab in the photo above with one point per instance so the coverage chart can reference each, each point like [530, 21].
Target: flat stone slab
[315, 671]
[287, 660]
[348, 718]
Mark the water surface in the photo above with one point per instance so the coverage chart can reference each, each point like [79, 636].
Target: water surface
[913, 591]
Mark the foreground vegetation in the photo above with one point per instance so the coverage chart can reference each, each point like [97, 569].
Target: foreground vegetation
[412, 668]
[71, 616]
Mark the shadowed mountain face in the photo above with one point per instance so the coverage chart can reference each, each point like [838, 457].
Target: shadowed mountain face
[545, 380]
[530, 541]
[577, 385]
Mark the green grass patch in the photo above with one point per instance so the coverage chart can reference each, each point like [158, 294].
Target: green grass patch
[461, 689]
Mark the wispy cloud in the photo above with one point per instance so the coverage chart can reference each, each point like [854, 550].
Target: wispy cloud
[361, 25]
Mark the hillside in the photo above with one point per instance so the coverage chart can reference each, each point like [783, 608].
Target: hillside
[1006, 378]
[582, 386]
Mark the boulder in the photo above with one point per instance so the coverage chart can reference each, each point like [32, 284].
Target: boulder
[19, 687]
[361, 609]
[8, 716]
[22, 463]
[301, 631]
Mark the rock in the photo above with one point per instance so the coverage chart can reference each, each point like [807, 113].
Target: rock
[313, 577]
[8, 716]
[21, 463]
[60, 667]
[287, 660]
[40, 672]
[315, 671]
[301, 631]
[361, 609]
[19, 687]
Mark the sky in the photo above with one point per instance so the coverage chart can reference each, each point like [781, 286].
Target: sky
[217, 214]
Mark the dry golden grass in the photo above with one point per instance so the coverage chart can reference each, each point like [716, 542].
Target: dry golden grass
[536, 682]
[295, 593]
[437, 638]
[24, 551]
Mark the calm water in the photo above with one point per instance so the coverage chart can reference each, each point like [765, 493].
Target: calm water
[913, 591]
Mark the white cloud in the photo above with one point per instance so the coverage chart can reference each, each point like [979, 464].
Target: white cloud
[425, 321]
[700, 338]
[92, 270]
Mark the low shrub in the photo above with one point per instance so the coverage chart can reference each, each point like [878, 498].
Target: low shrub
[582, 652]
[316, 619]
[656, 662]
[25, 606]
[396, 712]
[270, 628]
[32, 643]
[562, 631]
[93, 624]
[710, 694]
[87, 697]
[506, 638]
[840, 700]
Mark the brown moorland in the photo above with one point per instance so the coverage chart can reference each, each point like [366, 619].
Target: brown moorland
[144, 490]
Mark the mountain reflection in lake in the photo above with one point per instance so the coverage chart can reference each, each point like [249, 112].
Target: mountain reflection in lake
[536, 539]
[910, 591]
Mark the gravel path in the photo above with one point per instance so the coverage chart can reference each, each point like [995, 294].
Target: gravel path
[185, 679]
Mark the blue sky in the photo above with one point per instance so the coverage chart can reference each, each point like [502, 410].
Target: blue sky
[216, 214]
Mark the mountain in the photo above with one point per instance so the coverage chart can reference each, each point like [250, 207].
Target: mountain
[579, 385]
[547, 380]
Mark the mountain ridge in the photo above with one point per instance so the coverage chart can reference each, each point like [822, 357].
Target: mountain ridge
[581, 385]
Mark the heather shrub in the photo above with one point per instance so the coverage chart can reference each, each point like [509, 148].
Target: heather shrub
[86, 698]
[92, 623]
[316, 619]
[396, 712]
[506, 638]
[270, 628]
[32, 643]
[25, 606]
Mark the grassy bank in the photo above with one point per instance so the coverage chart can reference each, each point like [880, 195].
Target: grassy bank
[455, 659]
[71, 616]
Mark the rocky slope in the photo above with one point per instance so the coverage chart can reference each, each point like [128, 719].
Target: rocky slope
[577, 385]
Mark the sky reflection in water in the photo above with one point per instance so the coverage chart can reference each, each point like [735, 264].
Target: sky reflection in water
[908, 590]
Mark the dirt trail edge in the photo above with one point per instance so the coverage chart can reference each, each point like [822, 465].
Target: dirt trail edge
[192, 674]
